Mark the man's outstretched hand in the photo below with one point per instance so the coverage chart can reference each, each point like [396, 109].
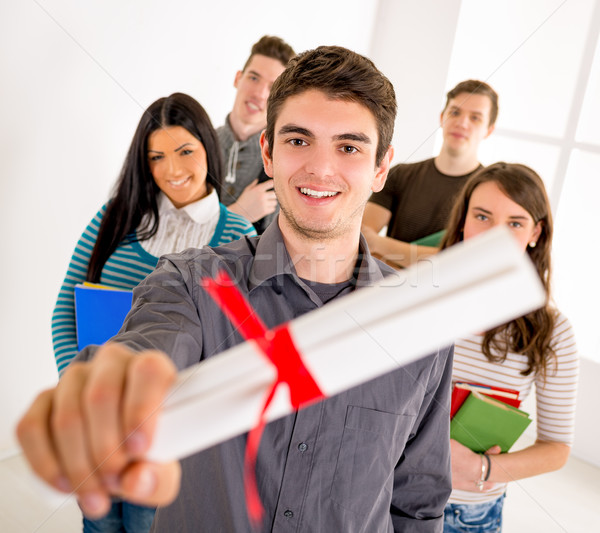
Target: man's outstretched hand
[89, 434]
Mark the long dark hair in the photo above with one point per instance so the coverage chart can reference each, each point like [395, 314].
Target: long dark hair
[531, 334]
[135, 192]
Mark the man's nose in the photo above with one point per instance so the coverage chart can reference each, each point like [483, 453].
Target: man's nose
[463, 120]
[321, 162]
[264, 91]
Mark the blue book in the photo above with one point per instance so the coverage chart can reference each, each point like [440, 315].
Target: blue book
[99, 312]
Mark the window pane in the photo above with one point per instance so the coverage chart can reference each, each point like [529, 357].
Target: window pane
[539, 156]
[528, 55]
[588, 128]
[576, 253]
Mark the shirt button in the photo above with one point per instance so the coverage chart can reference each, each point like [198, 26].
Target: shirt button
[288, 514]
[303, 446]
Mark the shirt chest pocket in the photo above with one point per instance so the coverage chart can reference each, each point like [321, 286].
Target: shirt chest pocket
[372, 444]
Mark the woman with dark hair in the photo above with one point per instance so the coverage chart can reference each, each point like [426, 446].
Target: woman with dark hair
[165, 200]
[538, 348]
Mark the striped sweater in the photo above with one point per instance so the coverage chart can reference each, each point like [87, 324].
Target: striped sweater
[126, 267]
[555, 397]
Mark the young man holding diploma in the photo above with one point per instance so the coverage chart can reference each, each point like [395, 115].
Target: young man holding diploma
[373, 458]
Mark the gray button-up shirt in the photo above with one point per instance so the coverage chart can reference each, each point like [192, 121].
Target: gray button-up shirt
[373, 459]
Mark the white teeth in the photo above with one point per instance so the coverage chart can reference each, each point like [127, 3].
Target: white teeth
[316, 194]
[253, 106]
[179, 182]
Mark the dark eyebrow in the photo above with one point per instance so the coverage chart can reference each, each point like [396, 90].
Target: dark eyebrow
[176, 149]
[183, 145]
[458, 108]
[254, 73]
[292, 128]
[357, 137]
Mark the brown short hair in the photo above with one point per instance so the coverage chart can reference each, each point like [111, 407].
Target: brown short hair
[340, 74]
[476, 87]
[273, 47]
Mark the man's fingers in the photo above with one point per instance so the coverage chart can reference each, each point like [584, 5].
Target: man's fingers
[151, 484]
[83, 435]
[34, 437]
[102, 400]
[68, 426]
[265, 185]
[150, 377]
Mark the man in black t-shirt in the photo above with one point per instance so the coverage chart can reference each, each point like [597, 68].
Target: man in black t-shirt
[417, 198]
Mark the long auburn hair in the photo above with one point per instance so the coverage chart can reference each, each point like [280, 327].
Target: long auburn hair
[135, 192]
[530, 335]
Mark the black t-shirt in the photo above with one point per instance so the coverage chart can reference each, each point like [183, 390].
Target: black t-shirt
[420, 199]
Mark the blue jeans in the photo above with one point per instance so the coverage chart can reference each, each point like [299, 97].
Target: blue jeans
[123, 517]
[474, 518]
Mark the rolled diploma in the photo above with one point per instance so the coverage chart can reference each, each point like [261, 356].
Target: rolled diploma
[467, 288]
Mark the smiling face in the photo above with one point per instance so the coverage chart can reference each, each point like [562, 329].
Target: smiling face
[178, 165]
[489, 206]
[465, 123]
[253, 87]
[323, 164]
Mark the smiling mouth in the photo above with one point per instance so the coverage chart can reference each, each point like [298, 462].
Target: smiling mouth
[317, 194]
[253, 106]
[178, 183]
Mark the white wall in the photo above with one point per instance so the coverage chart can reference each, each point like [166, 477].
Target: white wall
[587, 430]
[412, 45]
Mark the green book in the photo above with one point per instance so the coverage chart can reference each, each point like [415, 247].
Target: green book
[482, 422]
[431, 240]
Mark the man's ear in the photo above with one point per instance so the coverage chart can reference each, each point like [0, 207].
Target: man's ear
[382, 170]
[236, 80]
[266, 154]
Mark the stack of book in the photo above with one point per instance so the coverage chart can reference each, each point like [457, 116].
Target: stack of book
[485, 416]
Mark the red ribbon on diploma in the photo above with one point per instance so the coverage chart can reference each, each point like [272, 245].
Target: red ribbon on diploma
[278, 346]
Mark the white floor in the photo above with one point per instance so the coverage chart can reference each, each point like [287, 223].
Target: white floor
[564, 501]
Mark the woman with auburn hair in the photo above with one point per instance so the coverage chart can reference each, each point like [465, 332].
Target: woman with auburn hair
[538, 348]
[165, 200]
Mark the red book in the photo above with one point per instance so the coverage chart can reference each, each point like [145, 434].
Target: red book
[462, 390]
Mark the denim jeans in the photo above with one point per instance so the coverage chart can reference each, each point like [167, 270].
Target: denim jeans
[474, 518]
[123, 517]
